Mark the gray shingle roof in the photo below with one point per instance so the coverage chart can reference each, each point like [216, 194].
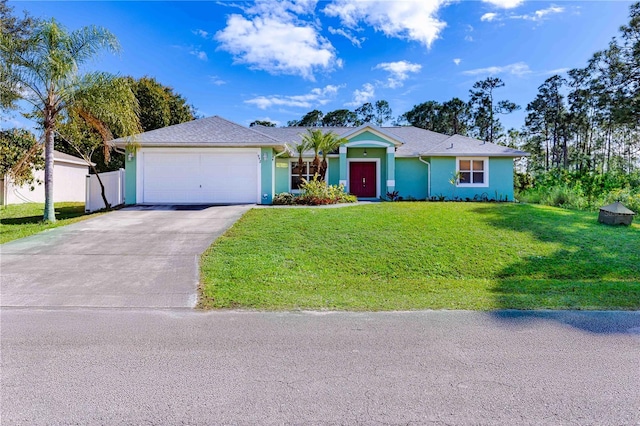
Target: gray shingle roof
[217, 131]
[458, 145]
[417, 142]
[210, 131]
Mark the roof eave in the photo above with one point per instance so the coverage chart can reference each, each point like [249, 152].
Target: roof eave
[475, 154]
[276, 146]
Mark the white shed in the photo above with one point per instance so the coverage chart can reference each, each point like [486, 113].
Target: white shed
[69, 183]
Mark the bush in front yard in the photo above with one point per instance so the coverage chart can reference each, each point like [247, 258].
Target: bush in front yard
[284, 199]
[317, 192]
[314, 193]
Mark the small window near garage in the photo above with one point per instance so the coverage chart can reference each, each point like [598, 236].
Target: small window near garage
[473, 171]
[308, 171]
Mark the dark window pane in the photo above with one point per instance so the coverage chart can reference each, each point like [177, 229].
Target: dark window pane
[295, 182]
[478, 177]
[465, 177]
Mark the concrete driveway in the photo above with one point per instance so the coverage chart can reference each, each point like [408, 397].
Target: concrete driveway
[134, 257]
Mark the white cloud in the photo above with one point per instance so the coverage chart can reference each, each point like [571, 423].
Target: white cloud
[399, 71]
[488, 17]
[505, 4]
[362, 96]
[352, 38]
[282, 7]
[517, 69]
[457, 61]
[201, 33]
[556, 71]
[468, 38]
[217, 80]
[317, 96]
[199, 54]
[410, 19]
[539, 15]
[273, 39]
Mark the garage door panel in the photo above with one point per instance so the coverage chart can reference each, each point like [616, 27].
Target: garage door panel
[200, 177]
[230, 177]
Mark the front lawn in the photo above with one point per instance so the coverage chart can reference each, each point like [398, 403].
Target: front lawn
[22, 220]
[403, 256]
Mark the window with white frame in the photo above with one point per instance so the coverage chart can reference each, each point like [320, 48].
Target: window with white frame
[308, 171]
[473, 171]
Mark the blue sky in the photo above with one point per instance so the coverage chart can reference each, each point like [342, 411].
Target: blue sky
[276, 61]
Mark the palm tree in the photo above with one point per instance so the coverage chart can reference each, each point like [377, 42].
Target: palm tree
[314, 139]
[300, 149]
[105, 105]
[43, 69]
[330, 143]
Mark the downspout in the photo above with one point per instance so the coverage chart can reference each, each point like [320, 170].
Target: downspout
[273, 173]
[428, 176]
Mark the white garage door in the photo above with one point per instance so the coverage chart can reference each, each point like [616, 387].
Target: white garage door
[216, 176]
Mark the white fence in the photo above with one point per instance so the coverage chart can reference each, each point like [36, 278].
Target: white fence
[113, 188]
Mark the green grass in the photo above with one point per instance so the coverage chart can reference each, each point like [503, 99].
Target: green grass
[22, 220]
[404, 256]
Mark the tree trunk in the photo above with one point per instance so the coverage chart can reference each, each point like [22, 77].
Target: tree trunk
[316, 164]
[323, 169]
[49, 212]
[300, 166]
[104, 196]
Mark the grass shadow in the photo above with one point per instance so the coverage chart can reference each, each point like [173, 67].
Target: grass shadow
[597, 322]
[66, 212]
[584, 264]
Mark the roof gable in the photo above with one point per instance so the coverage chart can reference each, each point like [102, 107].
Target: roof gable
[369, 132]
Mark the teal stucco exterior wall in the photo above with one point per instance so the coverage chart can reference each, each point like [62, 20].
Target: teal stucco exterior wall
[266, 175]
[500, 179]
[282, 175]
[129, 179]
[333, 174]
[368, 136]
[411, 178]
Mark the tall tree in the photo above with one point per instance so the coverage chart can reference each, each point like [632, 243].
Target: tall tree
[16, 29]
[425, 115]
[454, 116]
[486, 124]
[160, 105]
[265, 123]
[46, 72]
[382, 112]
[547, 118]
[339, 118]
[310, 119]
[364, 114]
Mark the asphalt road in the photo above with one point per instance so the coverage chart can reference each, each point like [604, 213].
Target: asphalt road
[114, 366]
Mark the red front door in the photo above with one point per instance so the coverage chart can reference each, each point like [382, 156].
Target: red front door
[362, 179]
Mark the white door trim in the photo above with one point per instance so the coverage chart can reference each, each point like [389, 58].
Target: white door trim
[362, 160]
